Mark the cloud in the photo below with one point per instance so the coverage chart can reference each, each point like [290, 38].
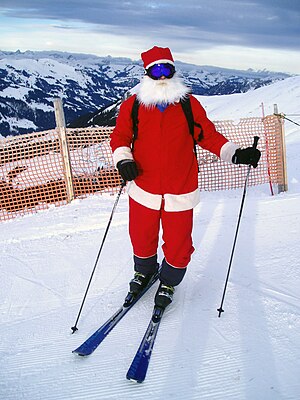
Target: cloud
[228, 33]
[264, 23]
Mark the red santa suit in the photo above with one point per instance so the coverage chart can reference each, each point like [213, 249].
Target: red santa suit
[166, 189]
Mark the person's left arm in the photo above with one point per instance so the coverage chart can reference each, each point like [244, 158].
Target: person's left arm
[210, 139]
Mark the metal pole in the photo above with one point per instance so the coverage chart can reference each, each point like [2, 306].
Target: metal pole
[74, 328]
[220, 309]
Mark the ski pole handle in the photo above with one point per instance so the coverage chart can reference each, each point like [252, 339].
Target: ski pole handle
[256, 139]
[254, 146]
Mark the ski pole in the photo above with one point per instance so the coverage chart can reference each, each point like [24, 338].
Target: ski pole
[220, 309]
[74, 328]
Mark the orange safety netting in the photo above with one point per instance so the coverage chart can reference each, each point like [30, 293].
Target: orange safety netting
[33, 175]
[215, 174]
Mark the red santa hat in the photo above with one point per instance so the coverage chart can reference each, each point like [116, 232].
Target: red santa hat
[157, 55]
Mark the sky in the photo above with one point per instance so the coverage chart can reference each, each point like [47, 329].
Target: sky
[239, 34]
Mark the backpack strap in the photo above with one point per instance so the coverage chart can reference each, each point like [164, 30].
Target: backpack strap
[187, 109]
[135, 121]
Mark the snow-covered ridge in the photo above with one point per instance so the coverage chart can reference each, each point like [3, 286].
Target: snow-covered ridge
[285, 93]
[253, 103]
[90, 59]
[29, 82]
[69, 58]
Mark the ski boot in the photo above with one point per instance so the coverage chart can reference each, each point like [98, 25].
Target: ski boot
[164, 295]
[136, 286]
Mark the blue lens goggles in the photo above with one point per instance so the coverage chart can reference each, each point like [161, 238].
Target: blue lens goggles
[159, 70]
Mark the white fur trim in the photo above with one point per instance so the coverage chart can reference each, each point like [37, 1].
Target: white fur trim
[227, 151]
[173, 202]
[173, 266]
[163, 61]
[181, 202]
[145, 258]
[151, 92]
[147, 199]
[122, 153]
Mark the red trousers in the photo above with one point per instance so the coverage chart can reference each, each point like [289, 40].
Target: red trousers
[144, 227]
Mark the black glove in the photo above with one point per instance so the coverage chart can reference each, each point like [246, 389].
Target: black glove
[249, 156]
[127, 169]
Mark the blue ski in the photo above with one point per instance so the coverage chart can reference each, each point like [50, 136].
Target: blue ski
[91, 344]
[139, 366]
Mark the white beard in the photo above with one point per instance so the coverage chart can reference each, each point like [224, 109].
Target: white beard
[167, 91]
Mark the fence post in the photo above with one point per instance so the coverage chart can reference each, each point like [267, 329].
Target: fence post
[61, 127]
[282, 187]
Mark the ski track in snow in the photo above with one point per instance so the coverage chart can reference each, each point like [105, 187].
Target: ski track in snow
[251, 352]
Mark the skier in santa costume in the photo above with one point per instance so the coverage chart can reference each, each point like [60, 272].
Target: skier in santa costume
[161, 168]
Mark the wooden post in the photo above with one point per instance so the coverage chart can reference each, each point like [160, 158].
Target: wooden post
[282, 187]
[61, 127]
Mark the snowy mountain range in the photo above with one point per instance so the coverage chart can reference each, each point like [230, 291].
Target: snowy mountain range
[29, 81]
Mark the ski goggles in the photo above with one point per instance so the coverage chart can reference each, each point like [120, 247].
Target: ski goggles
[156, 71]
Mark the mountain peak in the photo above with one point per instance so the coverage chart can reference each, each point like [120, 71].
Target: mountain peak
[88, 83]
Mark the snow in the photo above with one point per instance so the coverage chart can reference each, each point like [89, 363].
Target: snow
[18, 92]
[19, 122]
[285, 93]
[251, 352]
[44, 68]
